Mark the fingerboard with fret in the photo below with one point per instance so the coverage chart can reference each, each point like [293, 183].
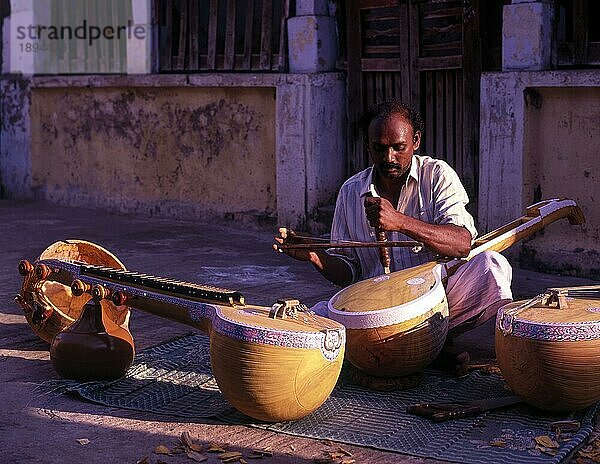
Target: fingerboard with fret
[181, 289]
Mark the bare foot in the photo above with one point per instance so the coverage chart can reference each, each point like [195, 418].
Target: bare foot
[452, 360]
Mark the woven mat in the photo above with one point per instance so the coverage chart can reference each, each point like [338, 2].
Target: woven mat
[175, 379]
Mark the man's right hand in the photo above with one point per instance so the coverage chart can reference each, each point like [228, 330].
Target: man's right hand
[288, 237]
[333, 268]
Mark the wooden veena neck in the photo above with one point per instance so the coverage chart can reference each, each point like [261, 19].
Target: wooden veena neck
[536, 217]
[190, 291]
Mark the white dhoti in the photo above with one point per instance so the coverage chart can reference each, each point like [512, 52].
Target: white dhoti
[477, 290]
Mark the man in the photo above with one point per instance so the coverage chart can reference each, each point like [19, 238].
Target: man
[417, 198]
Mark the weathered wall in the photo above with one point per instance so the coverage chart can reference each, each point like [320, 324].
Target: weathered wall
[166, 151]
[518, 141]
[561, 157]
[15, 160]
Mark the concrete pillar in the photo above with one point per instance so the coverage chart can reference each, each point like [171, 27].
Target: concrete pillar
[310, 146]
[312, 40]
[527, 35]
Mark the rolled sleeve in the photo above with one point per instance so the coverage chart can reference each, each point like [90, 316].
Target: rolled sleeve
[450, 200]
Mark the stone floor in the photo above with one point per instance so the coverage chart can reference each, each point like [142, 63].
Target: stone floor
[38, 428]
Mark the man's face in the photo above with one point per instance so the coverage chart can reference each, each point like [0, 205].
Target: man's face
[391, 145]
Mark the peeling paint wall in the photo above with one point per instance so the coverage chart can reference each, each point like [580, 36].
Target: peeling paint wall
[540, 139]
[15, 161]
[561, 159]
[156, 150]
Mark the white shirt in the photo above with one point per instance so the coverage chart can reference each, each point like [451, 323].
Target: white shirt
[433, 193]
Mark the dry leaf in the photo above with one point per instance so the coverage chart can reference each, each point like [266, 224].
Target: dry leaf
[229, 455]
[546, 441]
[193, 455]
[498, 443]
[161, 449]
[82, 441]
[348, 461]
[346, 452]
[592, 454]
[186, 439]
[565, 426]
[234, 459]
[215, 448]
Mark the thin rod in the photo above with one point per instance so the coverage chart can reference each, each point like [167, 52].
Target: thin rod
[309, 246]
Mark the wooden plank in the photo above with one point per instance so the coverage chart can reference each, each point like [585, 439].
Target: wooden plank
[471, 75]
[413, 69]
[166, 57]
[97, 54]
[391, 50]
[247, 63]
[458, 111]
[580, 31]
[433, 63]
[369, 83]
[442, 13]
[266, 32]
[356, 156]
[380, 64]
[194, 23]
[116, 51]
[229, 58]
[282, 58]
[405, 52]
[182, 40]
[439, 114]
[450, 120]
[429, 112]
[53, 65]
[388, 85]
[83, 52]
[366, 4]
[381, 32]
[380, 15]
[211, 52]
[398, 85]
[441, 46]
[379, 88]
[63, 52]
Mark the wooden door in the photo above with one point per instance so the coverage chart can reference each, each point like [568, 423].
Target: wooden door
[425, 52]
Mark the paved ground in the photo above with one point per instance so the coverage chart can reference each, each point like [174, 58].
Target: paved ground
[45, 429]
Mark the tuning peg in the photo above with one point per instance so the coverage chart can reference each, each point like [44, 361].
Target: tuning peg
[42, 271]
[79, 287]
[25, 267]
[100, 292]
[119, 298]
